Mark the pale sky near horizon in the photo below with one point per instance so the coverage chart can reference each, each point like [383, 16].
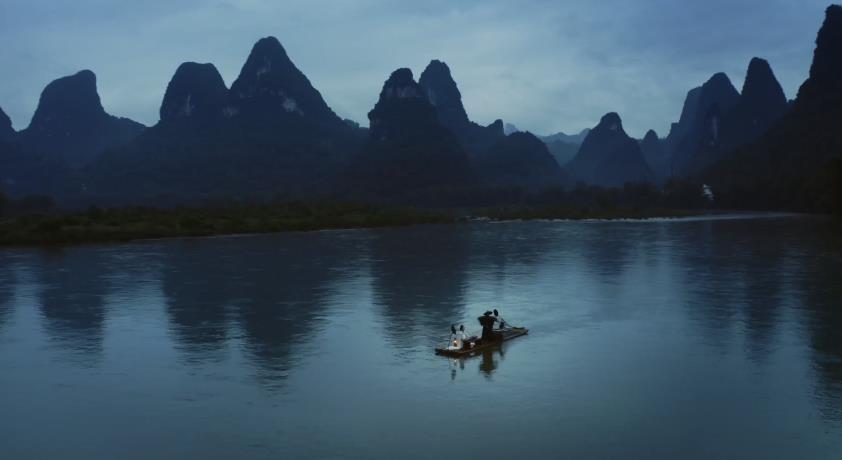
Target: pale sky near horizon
[545, 66]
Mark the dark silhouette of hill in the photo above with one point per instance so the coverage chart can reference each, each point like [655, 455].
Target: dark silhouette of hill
[699, 130]
[562, 151]
[71, 124]
[576, 139]
[716, 119]
[519, 159]
[6, 130]
[609, 157]
[444, 95]
[761, 104]
[196, 92]
[798, 163]
[272, 133]
[407, 148]
[656, 154]
[271, 87]
[498, 159]
[680, 129]
[23, 172]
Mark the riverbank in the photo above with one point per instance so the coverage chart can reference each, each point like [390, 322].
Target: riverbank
[584, 213]
[130, 224]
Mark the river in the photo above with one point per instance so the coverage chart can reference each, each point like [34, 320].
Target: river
[691, 338]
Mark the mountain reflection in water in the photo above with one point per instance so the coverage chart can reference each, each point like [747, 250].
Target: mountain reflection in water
[317, 344]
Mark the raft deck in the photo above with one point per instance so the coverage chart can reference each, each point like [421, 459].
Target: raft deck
[508, 334]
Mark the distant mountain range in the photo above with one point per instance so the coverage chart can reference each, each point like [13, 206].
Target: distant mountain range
[272, 134]
[608, 157]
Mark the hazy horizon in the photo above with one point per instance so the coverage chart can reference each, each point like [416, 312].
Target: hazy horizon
[541, 66]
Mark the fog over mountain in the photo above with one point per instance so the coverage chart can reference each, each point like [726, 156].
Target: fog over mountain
[547, 66]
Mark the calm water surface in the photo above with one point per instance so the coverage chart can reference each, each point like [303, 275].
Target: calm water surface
[682, 339]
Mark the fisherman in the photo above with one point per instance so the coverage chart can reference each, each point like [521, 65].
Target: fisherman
[487, 322]
[500, 319]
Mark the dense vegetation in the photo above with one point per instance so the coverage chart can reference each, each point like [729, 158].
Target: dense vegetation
[633, 201]
[35, 220]
[126, 224]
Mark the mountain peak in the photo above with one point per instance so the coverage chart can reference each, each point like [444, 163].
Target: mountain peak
[71, 99]
[270, 85]
[758, 64]
[437, 66]
[762, 90]
[719, 78]
[609, 157]
[195, 89]
[826, 71]
[717, 91]
[269, 46]
[651, 136]
[401, 85]
[611, 121]
[497, 127]
[402, 107]
[407, 149]
[70, 122]
[441, 90]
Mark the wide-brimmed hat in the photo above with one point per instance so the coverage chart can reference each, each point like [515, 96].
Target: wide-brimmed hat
[488, 313]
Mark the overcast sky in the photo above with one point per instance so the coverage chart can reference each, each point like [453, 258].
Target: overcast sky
[543, 65]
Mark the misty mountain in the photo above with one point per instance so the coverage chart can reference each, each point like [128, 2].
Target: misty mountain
[69, 128]
[702, 130]
[656, 154]
[762, 103]
[519, 159]
[509, 128]
[798, 163]
[442, 92]
[407, 148]
[498, 159]
[23, 172]
[562, 151]
[270, 133]
[716, 119]
[195, 92]
[575, 139]
[71, 124]
[680, 129]
[609, 157]
[271, 87]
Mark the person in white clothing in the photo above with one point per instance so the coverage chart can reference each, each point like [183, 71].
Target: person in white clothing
[457, 338]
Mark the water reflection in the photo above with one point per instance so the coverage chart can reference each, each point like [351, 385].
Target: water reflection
[419, 281]
[73, 289]
[487, 361]
[270, 297]
[822, 302]
[746, 273]
[197, 282]
[723, 330]
[491, 358]
[7, 289]
[606, 252]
